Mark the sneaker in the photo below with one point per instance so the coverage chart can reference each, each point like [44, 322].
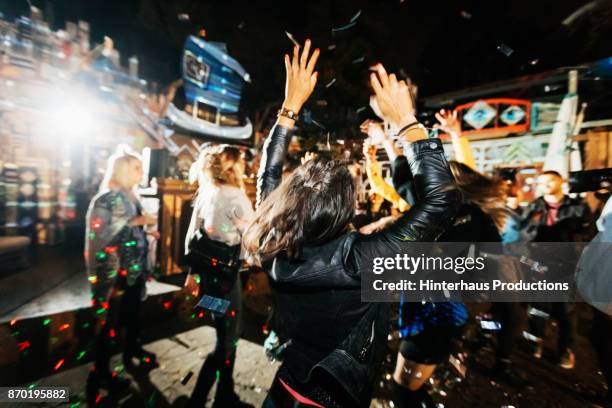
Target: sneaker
[567, 359]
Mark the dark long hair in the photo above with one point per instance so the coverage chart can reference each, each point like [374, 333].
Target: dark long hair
[312, 206]
[487, 193]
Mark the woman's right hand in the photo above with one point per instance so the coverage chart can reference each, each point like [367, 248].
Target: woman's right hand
[392, 97]
[301, 78]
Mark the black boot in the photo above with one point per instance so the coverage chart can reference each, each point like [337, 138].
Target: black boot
[206, 379]
[225, 395]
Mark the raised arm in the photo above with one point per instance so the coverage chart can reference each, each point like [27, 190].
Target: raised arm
[436, 194]
[449, 123]
[378, 183]
[300, 82]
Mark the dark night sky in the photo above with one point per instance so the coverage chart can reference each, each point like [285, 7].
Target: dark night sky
[429, 39]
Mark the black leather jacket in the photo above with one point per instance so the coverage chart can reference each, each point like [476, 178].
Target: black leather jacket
[318, 299]
[574, 222]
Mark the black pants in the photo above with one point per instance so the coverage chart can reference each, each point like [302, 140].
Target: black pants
[565, 314]
[512, 318]
[222, 359]
[123, 314]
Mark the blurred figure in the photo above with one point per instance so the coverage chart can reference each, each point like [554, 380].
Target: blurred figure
[116, 257]
[555, 217]
[221, 212]
[595, 266]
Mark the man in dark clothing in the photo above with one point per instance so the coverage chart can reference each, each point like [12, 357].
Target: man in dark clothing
[555, 217]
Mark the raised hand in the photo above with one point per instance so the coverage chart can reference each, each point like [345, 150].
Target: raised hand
[301, 78]
[308, 156]
[392, 98]
[448, 122]
[374, 130]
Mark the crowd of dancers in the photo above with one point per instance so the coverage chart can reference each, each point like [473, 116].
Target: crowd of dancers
[312, 238]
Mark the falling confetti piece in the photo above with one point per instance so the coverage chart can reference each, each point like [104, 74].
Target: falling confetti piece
[504, 49]
[290, 36]
[183, 17]
[317, 124]
[355, 17]
[331, 47]
[344, 27]
[465, 14]
[241, 25]
[330, 83]
[359, 110]
[358, 60]
[186, 378]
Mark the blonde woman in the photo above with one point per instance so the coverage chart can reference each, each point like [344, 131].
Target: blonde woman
[116, 254]
[222, 211]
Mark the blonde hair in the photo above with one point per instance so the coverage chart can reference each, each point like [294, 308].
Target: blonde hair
[116, 169]
[216, 165]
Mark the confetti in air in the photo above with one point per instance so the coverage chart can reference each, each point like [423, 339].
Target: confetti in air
[317, 124]
[343, 28]
[186, 378]
[356, 16]
[504, 49]
[293, 40]
[330, 83]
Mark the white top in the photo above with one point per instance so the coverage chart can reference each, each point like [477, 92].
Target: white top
[225, 211]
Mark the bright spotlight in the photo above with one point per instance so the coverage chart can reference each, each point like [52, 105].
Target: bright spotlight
[70, 121]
